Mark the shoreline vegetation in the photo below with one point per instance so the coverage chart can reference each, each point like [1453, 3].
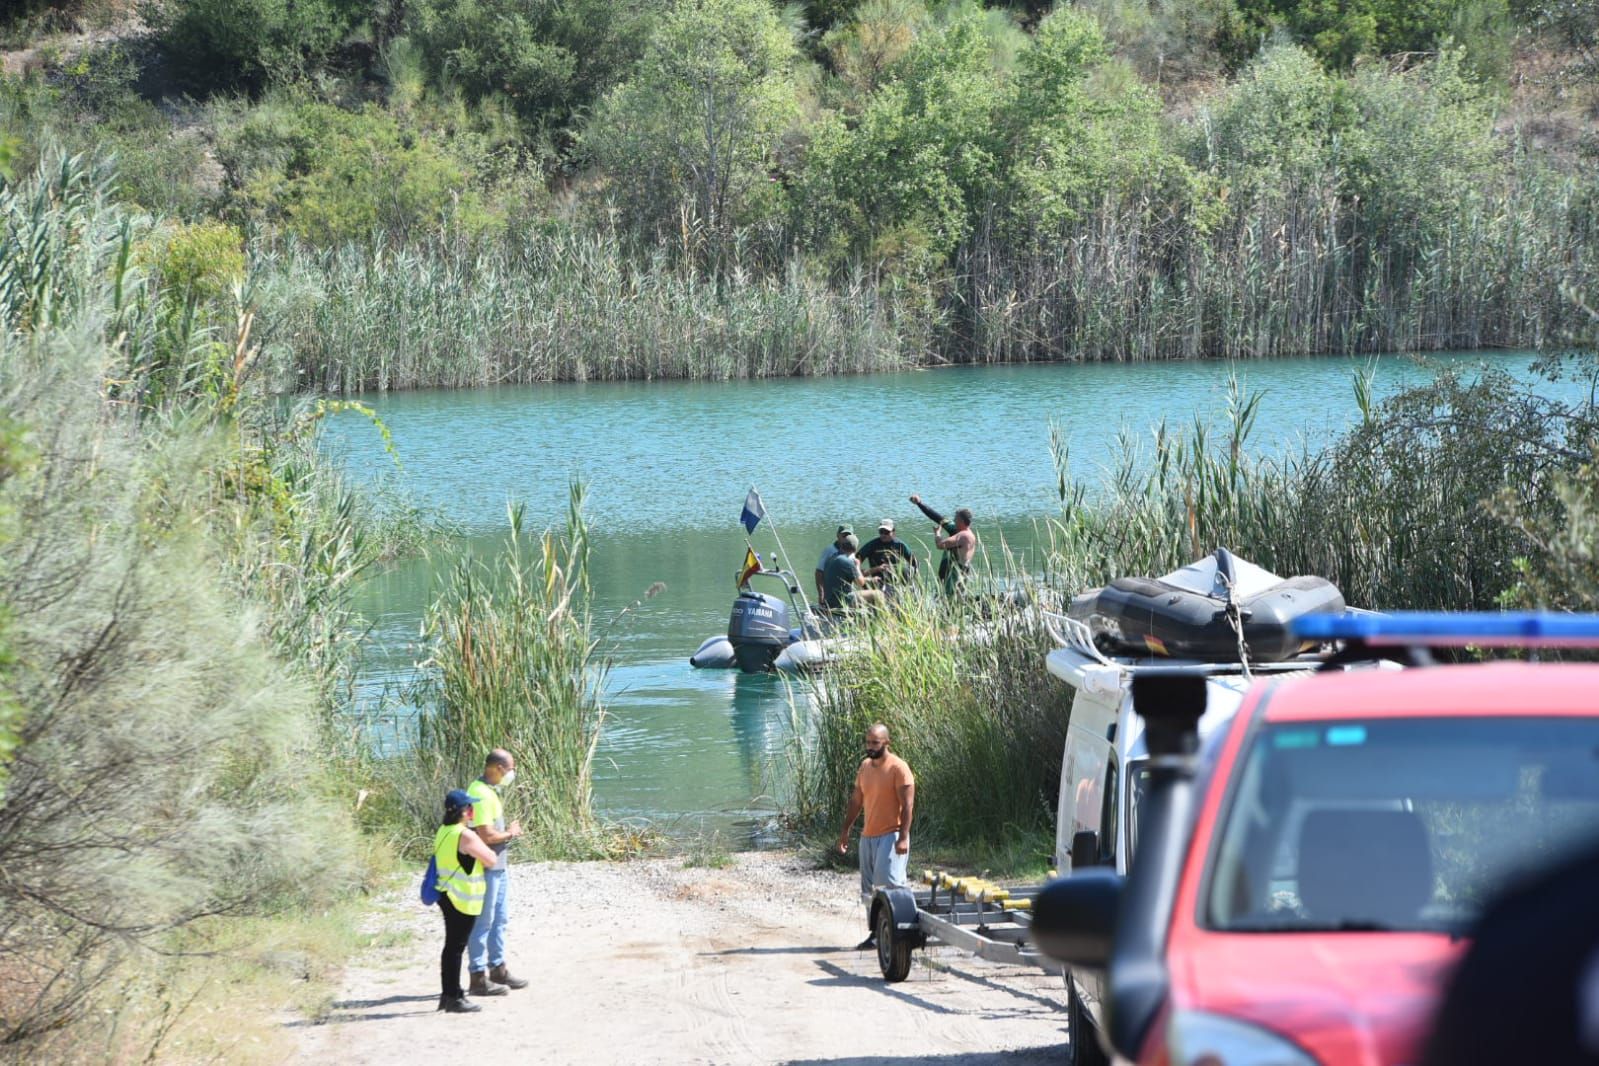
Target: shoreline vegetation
[465, 194]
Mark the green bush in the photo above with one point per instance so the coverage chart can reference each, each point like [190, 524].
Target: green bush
[329, 174]
[168, 766]
[1339, 31]
[202, 261]
[956, 128]
[1169, 41]
[218, 44]
[547, 60]
[904, 175]
[90, 106]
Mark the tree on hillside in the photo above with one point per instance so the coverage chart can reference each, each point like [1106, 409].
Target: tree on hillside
[864, 51]
[1405, 148]
[897, 185]
[1339, 31]
[547, 58]
[1075, 128]
[688, 141]
[958, 127]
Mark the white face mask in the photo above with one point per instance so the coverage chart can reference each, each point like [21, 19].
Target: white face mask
[510, 775]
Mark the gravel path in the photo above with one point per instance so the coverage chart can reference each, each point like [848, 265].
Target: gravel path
[652, 962]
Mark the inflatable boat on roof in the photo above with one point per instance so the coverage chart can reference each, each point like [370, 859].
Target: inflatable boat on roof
[1212, 610]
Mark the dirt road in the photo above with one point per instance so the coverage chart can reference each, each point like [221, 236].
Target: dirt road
[652, 962]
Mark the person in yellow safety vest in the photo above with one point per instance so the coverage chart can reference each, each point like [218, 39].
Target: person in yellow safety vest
[485, 951]
[462, 860]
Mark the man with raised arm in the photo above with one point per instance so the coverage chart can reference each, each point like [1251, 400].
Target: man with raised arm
[957, 540]
[885, 789]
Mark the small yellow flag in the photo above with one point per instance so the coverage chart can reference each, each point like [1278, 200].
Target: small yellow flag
[752, 565]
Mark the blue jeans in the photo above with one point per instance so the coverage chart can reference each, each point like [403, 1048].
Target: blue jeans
[881, 866]
[487, 945]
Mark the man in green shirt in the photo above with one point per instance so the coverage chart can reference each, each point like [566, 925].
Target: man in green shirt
[486, 948]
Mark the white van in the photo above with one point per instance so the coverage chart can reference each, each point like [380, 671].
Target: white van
[1102, 772]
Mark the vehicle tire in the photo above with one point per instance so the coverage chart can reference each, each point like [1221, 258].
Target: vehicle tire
[1081, 1032]
[893, 949]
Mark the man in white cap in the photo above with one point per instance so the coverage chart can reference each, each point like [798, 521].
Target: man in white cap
[886, 556]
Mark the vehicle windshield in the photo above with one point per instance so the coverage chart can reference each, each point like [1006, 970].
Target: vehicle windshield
[1396, 824]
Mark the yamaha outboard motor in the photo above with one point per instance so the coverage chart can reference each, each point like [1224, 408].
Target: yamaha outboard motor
[758, 631]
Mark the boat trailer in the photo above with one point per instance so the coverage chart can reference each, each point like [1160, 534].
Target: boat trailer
[978, 916]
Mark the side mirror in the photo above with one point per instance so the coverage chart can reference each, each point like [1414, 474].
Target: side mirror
[1085, 849]
[1074, 918]
[1171, 705]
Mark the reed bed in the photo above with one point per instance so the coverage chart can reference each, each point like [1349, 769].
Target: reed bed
[1403, 511]
[513, 665]
[553, 308]
[1285, 273]
[1139, 278]
[968, 707]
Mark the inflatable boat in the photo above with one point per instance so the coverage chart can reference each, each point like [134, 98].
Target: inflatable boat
[760, 638]
[1185, 614]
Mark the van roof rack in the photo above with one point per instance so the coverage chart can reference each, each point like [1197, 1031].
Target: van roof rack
[1497, 629]
[1073, 635]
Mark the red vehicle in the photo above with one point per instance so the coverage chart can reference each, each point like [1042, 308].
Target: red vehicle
[1303, 904]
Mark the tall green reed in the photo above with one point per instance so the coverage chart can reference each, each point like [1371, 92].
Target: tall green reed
[1398, 512]
[961, 688]
[567, 307]
[513, 664]
[1145, 276]
[1280, 272]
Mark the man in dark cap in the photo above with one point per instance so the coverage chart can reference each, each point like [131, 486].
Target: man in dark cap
[828, 554]
[843, 584]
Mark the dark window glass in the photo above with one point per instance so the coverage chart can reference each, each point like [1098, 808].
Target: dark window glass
[1396, 823]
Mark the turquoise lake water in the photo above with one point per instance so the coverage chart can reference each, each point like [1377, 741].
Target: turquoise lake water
[668, 465]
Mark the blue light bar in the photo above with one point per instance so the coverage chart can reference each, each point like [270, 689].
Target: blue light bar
[1518, 629]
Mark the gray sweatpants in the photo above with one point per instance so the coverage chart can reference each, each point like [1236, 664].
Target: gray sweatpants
[881, 866]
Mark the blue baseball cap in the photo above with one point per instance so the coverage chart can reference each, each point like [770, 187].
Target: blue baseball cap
[458, 799]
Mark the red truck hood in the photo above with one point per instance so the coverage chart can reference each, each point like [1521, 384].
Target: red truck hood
[1350, 999]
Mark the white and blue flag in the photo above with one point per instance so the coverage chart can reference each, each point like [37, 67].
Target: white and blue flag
[754, 511]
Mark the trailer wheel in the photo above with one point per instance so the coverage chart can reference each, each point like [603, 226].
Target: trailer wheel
[893, 949]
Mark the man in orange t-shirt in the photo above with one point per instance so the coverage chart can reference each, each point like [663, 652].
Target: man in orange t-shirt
[886, 789]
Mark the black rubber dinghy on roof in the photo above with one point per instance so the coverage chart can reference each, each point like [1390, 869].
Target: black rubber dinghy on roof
[1183, 615]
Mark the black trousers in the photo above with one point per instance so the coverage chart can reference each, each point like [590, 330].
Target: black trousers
[457, 929]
